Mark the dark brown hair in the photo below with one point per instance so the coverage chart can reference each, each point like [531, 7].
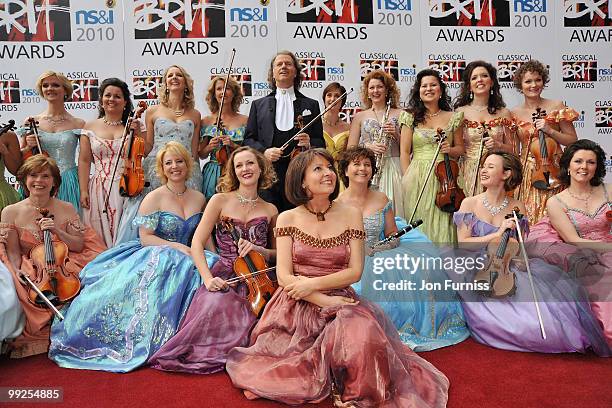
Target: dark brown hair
[129, 107]
[229, 181]
[416, 105]
[465, 96]
[510, 162]
[296, 194]
[350, 155]
[530, 66]
[568, 155]
[37, 164]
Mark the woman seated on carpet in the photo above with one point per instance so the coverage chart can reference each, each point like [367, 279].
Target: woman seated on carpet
[578, 235]
[134, 295]
[220, 317]
[316, 335]
[22, 229]
[511, 322]
[426, 320]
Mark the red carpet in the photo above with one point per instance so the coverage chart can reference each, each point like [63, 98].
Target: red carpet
[480, 377]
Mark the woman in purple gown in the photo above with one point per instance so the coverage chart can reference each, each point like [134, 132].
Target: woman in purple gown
[219, 317]
[511, 323]
[316, 336]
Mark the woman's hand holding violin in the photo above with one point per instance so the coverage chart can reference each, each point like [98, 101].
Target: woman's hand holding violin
[508, 223]
[491, 144]
[445, 148]
[47, 224]
[244, 247]
[542, 124]
[215, 284]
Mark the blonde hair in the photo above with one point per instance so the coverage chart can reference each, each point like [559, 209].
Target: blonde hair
[177, 149]
[66, 83]
[188, 97]
[229, 181]
[232, 84]
[393, 92]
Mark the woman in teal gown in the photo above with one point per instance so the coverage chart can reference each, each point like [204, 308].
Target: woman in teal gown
[58, 132]
[234, 125]
[425, 319]
[134, 296]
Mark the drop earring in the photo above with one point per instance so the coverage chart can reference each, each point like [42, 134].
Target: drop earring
[471, 95]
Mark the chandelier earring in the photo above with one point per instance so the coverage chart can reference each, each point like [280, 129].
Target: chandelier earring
[471, 95]
[491, 91]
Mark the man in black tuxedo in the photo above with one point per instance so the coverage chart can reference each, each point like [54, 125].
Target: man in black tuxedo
[272, 122]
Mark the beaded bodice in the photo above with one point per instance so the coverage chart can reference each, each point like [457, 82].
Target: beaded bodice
[374, 225]
[369, 132]
[314, 256]
[591, 226]
[61, 146]
[472, 134]
[254, 231]
[169, 226]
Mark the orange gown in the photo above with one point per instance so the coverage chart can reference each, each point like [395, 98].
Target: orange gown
[35, 336]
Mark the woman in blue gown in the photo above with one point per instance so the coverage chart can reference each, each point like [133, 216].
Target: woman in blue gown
[134, 296]
[174, 119]
[234, 125]
[425, 319]
[59, 133]
[11, 313]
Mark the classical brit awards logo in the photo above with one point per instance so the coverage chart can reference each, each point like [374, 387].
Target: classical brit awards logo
[385, 61]
[146, 84]
[583, 13]
[242, 75]
[603, 117]
[330, 11]
[449, 66]
[478, 13]
[579, 71]
[84, 89]
[9, 89]
[312, 68]
[507, 64]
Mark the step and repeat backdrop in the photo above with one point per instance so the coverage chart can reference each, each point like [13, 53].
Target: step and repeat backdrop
[335, 40]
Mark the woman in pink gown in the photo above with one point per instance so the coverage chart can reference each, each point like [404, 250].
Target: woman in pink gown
[316, 336]
[577, 235]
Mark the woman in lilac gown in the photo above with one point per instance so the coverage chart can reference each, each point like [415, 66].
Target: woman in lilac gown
[220, 317]
[511, 322]
[578, 237]
[316, 336]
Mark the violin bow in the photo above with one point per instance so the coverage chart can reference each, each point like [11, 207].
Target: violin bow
[519, 234]
[218, 122]
[485, 133]
[302, 130]
[441, 138]
[43, 297]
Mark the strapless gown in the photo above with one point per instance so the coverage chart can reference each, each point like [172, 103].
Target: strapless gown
[132, 300]
[62, 147]
[593, 270]
[165, 130]
[216, 322]
[511, 323]
[299, 351]
[425, 319]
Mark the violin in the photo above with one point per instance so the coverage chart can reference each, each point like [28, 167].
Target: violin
[37, 149]
[251, 269]
[10, 125]
[450, 195]
[299, 123]
[224, 151]
[51, 276]
[132, 180]
[546, 152]
[496, 272]
[483, 137]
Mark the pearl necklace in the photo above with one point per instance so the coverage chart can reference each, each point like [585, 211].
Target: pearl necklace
[494, 210]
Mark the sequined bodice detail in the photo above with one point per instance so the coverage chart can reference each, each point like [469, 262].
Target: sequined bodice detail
[61, 146]
[593, 226]
[375, 225]
[255, 231]
[473, 135]
[169, 226]
[369, 131]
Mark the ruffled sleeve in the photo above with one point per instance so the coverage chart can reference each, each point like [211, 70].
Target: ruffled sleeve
[566, 114]
[76, 225]
[463, 219]
[5, 230]
[149, 221]
[406, 119]
[456, 121]
[87, 133]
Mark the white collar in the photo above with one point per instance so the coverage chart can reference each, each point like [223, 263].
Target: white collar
[284, 108]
